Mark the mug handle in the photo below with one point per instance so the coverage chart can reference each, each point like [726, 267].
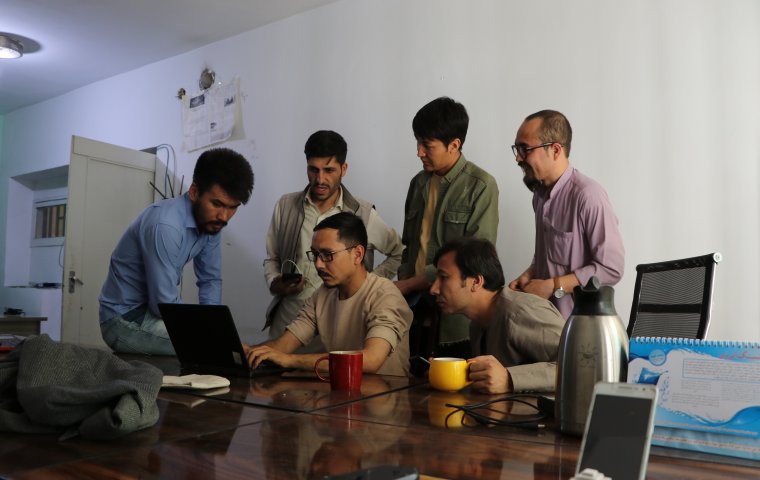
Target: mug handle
[316, 370]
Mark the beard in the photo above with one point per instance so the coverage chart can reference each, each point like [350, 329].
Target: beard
[211, 227]
[531, 183]
[529, 178]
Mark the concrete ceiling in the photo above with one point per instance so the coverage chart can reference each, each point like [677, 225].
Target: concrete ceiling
[72, 43]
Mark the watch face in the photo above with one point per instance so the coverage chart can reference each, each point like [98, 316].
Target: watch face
[559, 293]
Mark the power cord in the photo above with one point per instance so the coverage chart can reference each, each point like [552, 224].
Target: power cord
[295, 267]
[475, 412]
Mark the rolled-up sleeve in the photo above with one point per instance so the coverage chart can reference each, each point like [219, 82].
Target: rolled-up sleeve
[304, 326]
[389, 316]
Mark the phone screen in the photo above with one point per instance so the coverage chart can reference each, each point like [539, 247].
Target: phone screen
[617, 436]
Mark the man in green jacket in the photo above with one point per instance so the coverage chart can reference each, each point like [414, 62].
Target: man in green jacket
[450, 198]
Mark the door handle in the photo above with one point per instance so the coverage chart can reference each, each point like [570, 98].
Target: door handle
[73, 279]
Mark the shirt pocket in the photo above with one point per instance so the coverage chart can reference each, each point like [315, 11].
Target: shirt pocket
[558, 246]
[455, 222]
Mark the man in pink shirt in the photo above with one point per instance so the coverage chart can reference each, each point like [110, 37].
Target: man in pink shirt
[577, 234]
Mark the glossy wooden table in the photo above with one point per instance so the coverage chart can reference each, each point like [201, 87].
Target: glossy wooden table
[297, 391]
[222, 438]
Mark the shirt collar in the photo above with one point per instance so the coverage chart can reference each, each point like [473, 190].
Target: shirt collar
[189, 218]
[456, 169]
[561, 182]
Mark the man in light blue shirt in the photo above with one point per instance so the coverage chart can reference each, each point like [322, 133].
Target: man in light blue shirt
[146, 265]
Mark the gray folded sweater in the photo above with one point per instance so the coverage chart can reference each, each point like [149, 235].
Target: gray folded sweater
[53, 387]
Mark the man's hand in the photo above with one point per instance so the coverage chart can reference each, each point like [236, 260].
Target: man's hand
[519, 283]
[489, 376]
[542, 288]
[283, 288]
[258, 354]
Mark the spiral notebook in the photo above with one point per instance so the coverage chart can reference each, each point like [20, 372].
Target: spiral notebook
[709, 392]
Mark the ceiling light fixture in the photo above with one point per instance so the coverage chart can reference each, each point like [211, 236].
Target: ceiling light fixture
[10, 48]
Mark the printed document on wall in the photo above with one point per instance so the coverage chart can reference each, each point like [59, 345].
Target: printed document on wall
[209, 117]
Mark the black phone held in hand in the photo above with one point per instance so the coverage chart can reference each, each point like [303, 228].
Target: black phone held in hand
[291, 277]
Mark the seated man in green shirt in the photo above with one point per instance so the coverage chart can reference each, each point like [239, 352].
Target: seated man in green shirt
[514, 335]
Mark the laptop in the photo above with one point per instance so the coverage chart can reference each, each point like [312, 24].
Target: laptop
[206, 341]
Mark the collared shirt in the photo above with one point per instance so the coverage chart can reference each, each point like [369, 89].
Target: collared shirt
[468, 205]
[146, 265]
[523, 335]
[380, 237]
[576, 231]
[289, 237]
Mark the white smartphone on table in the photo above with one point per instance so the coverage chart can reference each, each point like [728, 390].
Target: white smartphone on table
[619, 430]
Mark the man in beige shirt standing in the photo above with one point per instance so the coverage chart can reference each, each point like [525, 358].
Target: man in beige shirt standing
[352, 309]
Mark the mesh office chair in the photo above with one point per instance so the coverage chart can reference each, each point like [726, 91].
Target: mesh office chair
[673, 299]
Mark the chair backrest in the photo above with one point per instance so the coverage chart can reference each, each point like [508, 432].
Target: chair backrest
[673, 298]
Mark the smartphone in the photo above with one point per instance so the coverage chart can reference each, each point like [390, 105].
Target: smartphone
[291, 277]
[619, 430]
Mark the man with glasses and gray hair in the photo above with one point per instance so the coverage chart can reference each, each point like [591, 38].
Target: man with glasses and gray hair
[577, 233]
[352, 310]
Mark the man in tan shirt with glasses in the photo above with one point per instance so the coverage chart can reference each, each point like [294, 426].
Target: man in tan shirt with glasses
[352, 309]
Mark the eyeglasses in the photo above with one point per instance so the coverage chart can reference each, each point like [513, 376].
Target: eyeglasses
[326, 257]
[522, 151]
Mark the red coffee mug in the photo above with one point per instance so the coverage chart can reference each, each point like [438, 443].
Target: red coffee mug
[345, 370]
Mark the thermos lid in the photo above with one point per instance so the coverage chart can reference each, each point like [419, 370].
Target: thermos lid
[594, 299]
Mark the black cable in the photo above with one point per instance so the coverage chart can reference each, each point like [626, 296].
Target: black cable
[472, 411]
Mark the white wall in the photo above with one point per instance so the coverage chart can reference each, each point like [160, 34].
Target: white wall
[662, 95]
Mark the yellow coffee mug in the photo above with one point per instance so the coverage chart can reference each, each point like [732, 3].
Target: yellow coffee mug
[448, 374]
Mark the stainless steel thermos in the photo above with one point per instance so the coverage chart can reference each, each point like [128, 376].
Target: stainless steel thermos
[593, 347]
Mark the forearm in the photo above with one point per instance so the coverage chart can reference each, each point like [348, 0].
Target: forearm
[413, 284]
[374, 354]
[537, 377]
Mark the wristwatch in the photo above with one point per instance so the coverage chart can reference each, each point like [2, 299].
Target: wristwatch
[559, 292]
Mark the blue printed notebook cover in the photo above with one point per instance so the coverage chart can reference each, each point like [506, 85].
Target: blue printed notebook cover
[709, 386]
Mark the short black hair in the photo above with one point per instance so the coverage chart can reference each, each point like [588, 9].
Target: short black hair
[351, 229]
[554, 128]
[226, 168]
[441, 119]
[326, 143]
[475, 256]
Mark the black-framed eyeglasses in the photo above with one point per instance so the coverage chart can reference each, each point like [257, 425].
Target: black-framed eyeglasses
[326, 257]
[522, 151]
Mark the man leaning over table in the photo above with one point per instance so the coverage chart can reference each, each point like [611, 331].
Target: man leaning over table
[146, 265]
[352, 309]
[292, 225]
[514, 335]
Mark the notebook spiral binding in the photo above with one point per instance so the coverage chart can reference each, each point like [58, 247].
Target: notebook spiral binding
[697, 342]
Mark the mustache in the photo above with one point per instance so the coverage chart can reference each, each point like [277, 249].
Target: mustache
[322, 273]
